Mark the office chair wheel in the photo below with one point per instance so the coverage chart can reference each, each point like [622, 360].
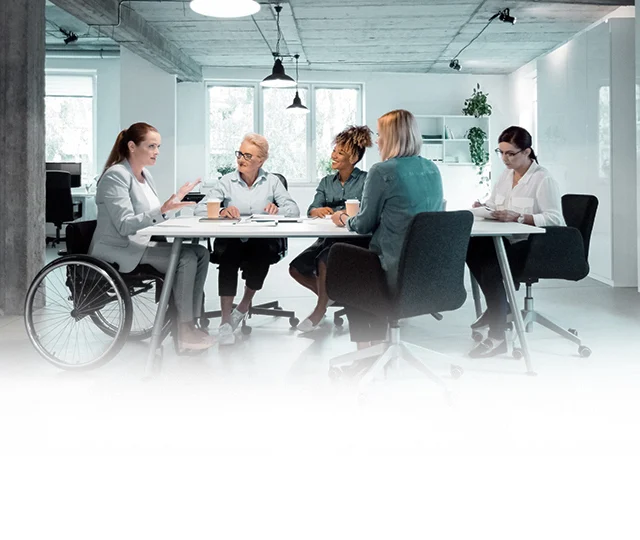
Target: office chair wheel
[144, 291]
[60, 308]
[335, 373]
[476, 336]
[456, 371]
[246, 330]
[338, 321]
[293, 321]
[573, 331]
[517, 353]
[583, 351]
[204, 323]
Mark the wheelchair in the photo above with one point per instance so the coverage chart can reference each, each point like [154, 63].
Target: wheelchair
[80, 311]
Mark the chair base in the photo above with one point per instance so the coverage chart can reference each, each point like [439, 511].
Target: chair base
[390, 354]
[271, 309]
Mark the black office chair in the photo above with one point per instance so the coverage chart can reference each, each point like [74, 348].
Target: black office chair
[430, 280]
[59, 204]
[560, 253]
[271, 309]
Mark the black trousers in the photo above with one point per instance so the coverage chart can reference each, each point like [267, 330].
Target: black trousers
[253, 257]
[482, 260]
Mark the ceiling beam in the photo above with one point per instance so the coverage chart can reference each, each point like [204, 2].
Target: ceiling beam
[114, 19]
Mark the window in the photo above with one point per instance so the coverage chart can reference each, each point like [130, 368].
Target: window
[300, 145]
[69, 120]
[230, 118]
[336, 108]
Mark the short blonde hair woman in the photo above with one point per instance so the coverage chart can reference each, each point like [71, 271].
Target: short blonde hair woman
[401, 186]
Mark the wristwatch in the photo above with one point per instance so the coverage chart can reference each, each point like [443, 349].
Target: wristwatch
[521, 218]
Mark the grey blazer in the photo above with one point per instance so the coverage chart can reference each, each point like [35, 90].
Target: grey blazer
[123, 210]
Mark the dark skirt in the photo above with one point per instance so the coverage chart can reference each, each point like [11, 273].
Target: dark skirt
[307, 262]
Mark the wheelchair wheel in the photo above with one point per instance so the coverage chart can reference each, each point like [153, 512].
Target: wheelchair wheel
[144, 291]
[60, 307]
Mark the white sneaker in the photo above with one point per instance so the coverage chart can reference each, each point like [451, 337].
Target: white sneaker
[236, 318]
[225, 335]
[307, 326]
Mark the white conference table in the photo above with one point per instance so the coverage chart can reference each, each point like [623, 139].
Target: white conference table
[191, 227]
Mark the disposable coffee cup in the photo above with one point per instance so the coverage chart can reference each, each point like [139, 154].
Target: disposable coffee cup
[213, 208]
[352, 207]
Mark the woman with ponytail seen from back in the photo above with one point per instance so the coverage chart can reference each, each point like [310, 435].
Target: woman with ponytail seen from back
[128, 202]
[524, 193]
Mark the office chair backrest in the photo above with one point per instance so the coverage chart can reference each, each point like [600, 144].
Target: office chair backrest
[284, 242]
[59, 204]
[432, 262]
[79, 235]
[579, 211]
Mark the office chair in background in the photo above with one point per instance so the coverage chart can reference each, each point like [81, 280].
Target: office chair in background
[430, 280]
[59, 204]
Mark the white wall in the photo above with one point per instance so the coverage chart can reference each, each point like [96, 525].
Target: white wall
[148, 94]
[107, 98]
[577, 151]
[419, 93]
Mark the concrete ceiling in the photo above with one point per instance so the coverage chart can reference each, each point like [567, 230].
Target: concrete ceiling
[361, 35]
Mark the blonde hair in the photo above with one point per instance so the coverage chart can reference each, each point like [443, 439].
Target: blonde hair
[400, 135]
[260, 142]
[355, 140]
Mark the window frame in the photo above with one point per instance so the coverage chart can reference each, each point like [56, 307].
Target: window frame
[62, 72]
[258, 115]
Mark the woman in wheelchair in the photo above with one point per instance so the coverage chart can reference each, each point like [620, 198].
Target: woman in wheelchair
[347, 182]
[524, 193]
[247, 190]
[128, 202]
[402, 185]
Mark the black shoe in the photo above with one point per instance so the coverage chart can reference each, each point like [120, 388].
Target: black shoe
[489, 347]
[483, 320]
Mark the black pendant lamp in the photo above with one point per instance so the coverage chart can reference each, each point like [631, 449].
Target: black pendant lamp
[297, 107]
[278, 78]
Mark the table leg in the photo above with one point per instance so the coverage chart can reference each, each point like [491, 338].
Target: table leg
[507, 278]
[158, 323]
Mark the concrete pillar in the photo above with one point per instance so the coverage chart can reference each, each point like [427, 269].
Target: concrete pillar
[22, 155]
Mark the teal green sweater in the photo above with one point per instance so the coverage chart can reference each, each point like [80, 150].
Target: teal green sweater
[394, 192]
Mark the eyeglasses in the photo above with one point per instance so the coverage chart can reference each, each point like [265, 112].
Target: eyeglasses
[239, 154]
[508, 155]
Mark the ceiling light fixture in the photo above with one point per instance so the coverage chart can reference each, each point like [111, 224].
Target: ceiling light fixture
[503, 15]
[225, 9]
[297, 106]
[278, 78]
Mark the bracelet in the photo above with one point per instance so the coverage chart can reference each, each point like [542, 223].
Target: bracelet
[343, 214]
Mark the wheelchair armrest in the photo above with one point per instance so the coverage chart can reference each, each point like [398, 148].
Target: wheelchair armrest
[556, 254]
[355, 278]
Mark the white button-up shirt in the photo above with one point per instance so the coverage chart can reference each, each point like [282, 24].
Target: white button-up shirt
[537, 193]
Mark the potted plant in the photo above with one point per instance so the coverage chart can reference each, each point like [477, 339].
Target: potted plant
[479, 156]
[477, 105]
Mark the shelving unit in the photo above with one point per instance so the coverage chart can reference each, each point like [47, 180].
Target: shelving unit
[443, 137]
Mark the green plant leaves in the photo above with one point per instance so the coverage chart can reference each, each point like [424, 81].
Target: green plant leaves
[479, 156]
[477, 105]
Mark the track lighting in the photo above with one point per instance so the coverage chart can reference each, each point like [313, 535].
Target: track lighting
[506, 17]
[70, 37]
[503, 15]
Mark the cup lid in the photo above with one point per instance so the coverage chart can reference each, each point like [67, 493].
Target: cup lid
[353, 201]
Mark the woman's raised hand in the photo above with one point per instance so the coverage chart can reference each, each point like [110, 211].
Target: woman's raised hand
[175, 201]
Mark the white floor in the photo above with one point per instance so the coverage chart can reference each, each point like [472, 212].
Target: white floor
[255, 439]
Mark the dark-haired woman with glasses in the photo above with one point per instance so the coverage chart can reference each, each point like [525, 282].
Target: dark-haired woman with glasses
[247, 190]
[524, 193]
